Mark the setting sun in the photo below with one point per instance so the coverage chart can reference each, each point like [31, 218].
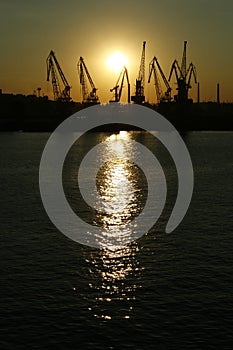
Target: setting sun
[116, 61]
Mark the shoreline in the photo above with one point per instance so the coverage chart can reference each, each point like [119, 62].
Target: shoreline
[38, 114]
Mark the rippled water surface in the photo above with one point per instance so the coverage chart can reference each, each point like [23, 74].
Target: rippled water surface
[159, 292]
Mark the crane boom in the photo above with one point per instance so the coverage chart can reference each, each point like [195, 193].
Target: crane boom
[84, 75]
[191, 71]
[87, 73]
[158, 88]
[183, 77]
[161, 97]
[175, 68]
[54, 69]
[162, 74]
[120, 80]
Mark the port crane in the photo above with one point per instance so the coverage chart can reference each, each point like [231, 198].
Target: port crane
[183, 77]
[119, 86]
[54, 69]
[139, 96]
[161, 97]
[84, 76]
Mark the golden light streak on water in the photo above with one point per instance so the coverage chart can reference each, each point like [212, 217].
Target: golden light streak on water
[117, 183]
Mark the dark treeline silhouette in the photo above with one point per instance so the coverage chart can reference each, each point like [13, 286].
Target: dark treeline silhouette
[31, 113]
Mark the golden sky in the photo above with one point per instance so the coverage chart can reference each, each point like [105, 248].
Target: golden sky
[95, 29]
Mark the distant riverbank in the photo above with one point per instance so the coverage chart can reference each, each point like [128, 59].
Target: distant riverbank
[31, 113]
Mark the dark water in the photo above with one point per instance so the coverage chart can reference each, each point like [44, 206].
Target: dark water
[161, 292]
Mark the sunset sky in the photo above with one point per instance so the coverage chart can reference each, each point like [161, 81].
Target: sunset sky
[96, 29]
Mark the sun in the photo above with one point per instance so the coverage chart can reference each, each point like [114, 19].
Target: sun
[116, 61]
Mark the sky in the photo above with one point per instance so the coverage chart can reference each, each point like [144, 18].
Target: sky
[95, 29]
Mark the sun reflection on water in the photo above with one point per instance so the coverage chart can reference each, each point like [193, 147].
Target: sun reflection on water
[115, 274]
[115, 277]
[118, 187]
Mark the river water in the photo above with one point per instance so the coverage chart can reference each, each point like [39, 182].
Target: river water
[163, 291]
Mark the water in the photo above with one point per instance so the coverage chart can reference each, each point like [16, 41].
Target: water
[160, 292]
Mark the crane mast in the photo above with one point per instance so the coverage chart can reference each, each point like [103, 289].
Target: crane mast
[161, 97]
[183, 77]
[184, 60]
[54, 70]
[139, 96]
[119, 85]
[84, 78]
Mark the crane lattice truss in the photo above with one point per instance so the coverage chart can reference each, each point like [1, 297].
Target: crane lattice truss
[139, 96]
[84, 78]
[155, 68]
[183, 77]
[119, 86]
[54, 70]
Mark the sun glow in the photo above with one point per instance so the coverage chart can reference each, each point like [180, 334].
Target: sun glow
[116, 61]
